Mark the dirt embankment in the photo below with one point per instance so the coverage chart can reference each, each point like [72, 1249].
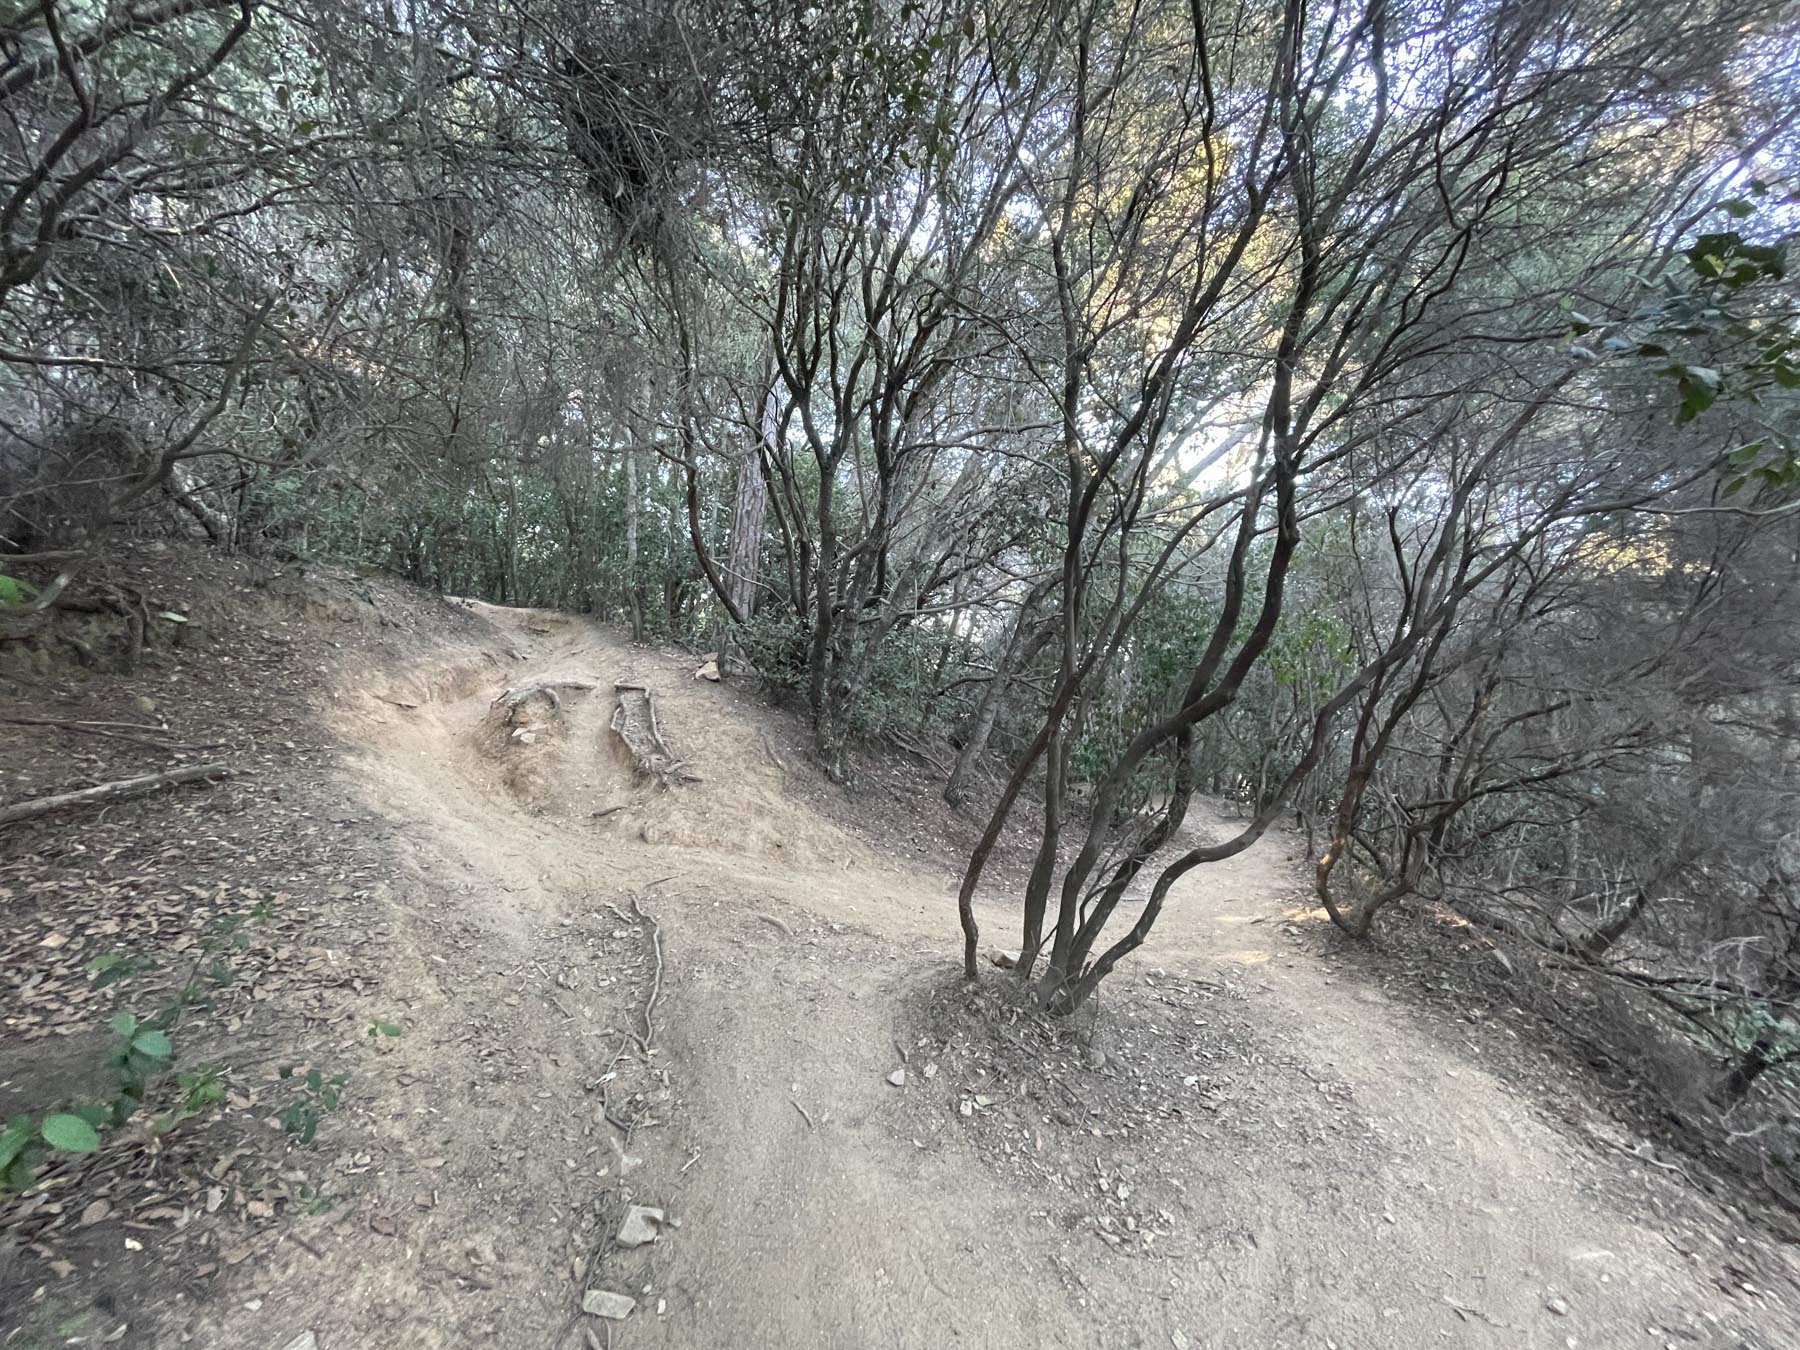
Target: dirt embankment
[723, 992]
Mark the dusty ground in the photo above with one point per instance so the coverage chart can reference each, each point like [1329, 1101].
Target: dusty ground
[610, 993]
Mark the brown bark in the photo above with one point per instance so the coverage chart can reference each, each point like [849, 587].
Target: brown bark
[1020, 651]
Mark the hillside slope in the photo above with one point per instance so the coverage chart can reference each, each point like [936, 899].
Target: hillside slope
[612, 992]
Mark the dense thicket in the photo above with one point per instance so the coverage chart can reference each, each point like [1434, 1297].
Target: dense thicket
[1382, 414]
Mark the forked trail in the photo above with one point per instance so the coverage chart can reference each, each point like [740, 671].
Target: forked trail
[1377, 1187]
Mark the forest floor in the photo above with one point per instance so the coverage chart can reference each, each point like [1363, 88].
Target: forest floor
[735, 1000]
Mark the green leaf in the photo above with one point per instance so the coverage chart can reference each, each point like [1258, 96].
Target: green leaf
[154, 1044]
[1734, 486]
[1739, 458]
[72, 1134]
[15, 591]
[125, 1024]
[14, 1139]
[1737, 208]
[1726, 258]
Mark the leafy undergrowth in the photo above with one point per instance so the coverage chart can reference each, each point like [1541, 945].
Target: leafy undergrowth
[188, 977]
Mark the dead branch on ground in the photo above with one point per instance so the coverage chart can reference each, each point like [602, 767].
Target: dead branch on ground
[109, 792]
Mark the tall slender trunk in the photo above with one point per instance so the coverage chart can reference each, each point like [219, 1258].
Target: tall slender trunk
[1043, 870]
[743, 566]
[634, 582]
[1022, 647]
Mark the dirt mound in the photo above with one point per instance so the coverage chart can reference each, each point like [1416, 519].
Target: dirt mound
[729, 780]
[526, 735]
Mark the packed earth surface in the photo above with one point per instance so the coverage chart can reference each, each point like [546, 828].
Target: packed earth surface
[690, 1034]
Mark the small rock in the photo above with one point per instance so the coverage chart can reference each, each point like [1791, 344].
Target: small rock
[1178, 1339]
[641, 1223]
[931, 1069]
[304, 1341]
[1557, 1306]
[897, 1078]
[605, 1303]
[144, 704]
[1096, 1058]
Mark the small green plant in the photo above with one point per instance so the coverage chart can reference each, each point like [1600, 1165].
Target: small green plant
[15, 592]
[318, 1098]
[201, 1089]
[142, 1059]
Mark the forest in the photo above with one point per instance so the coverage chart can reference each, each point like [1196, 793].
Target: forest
[1373, 425]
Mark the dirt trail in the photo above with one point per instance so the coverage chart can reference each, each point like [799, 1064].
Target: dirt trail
[1376, 1188]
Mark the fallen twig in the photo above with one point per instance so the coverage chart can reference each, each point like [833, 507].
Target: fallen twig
[804, 1114]
[912, 748]
[1636, 1156]
[109, 792]
[156, 737]
[769, 750]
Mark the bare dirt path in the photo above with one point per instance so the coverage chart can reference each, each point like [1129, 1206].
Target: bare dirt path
[1309, 1166]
